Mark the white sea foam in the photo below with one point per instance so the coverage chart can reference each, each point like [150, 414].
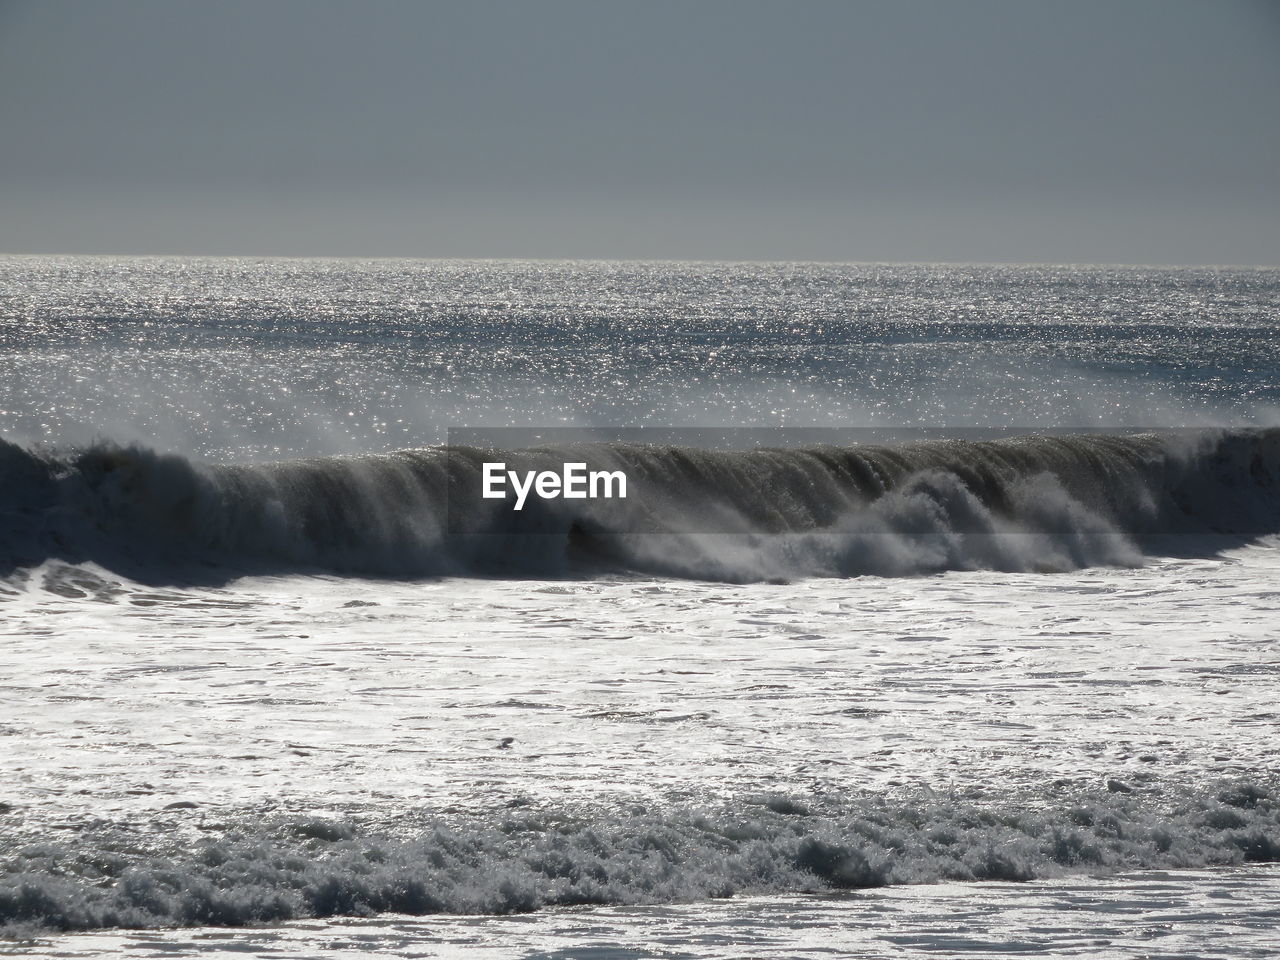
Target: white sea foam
[247, 872]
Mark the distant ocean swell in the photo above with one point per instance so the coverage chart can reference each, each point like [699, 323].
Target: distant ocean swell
[1037, 503]
[117, 875]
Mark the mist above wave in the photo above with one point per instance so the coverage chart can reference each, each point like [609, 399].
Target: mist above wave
[234, 359]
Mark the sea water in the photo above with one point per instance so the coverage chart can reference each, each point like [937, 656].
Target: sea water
[270, 685]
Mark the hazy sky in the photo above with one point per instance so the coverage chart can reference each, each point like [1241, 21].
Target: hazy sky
[1143, 131]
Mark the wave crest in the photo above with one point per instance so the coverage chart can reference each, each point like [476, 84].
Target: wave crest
[1036, 503]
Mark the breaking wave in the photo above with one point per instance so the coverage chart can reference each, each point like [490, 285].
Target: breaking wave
[299, 867]
[1035, 503]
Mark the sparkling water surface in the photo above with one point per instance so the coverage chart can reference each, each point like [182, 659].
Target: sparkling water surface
[1105, 737]
[267, 358]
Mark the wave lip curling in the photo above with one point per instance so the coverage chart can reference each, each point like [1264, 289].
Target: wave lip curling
[1031, 503]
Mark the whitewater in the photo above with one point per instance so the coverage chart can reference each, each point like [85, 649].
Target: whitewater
[939, 617]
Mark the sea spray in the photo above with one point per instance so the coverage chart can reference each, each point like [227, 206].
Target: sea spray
[1032, 503]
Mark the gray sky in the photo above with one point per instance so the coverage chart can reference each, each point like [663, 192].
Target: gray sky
[1140, 131]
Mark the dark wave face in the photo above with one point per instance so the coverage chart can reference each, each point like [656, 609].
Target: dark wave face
[1035, 503]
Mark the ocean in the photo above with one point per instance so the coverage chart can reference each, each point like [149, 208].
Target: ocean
[939, 620]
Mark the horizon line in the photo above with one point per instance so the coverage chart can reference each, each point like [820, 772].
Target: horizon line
[723, 261]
